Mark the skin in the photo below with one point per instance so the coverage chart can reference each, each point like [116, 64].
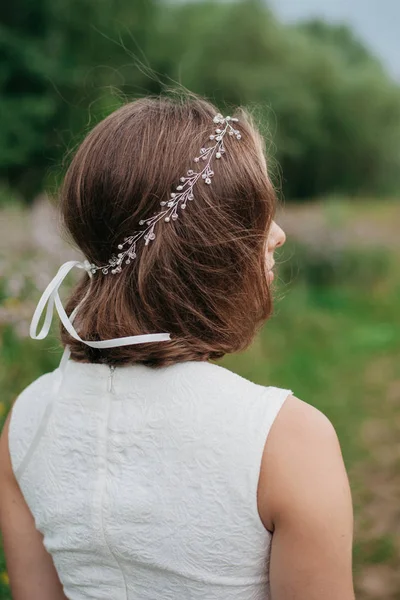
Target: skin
[30, 567]
[303, 498]
[276, 238]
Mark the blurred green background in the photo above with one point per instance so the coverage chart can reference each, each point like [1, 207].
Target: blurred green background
[331, 116]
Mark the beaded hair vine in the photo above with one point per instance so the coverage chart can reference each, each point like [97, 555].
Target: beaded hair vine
[178, 199]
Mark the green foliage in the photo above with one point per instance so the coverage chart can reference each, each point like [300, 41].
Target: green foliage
[381, 550]
[323, 267]
[357, 146]
[56, 70]
[333, 112]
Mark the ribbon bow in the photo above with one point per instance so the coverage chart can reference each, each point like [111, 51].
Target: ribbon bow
[51, 297]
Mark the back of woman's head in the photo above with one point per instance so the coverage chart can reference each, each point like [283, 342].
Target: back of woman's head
[203, 278]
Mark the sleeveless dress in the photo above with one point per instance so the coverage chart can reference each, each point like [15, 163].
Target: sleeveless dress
[144, 481]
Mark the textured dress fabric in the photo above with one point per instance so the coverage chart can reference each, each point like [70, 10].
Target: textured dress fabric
[144, 481]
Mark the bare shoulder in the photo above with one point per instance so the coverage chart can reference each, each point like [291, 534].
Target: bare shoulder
[302, 449]
[298, 418]
[305, 500]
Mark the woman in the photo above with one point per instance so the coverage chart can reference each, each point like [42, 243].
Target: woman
[140, 469]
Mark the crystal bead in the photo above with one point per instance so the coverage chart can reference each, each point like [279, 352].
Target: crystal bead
[208, 180]
[191, 197]
[218, 138]
[238, 136]
[174, 217]
[166, 219]
[173, 194]
[217, 131]
[231, 133]
[190, 172]
[218, 155]
[128, 261]
[105, 271]
[212, 137]
[179, 188]
[151, 236]
[120, 246]
[182, 179]
[202, 150]
[227, 118]
[196, 159]
[141, 222]
[183, 206]
[119, 255]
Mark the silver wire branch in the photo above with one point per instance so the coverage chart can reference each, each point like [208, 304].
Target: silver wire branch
[178, 199]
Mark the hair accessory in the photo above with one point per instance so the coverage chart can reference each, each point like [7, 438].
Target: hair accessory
[51, 298]
[178, 199]
[184, 193]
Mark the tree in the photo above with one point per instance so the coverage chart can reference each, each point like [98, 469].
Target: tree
[331, 111]
[58, 66]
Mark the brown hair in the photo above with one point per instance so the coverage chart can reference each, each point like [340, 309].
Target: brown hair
[203, 279]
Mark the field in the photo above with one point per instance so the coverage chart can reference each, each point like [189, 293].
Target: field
[334, 340]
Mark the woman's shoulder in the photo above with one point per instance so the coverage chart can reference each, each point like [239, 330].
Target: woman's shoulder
[305, 500]
[301, 451]
[27, 413]
[33, 393]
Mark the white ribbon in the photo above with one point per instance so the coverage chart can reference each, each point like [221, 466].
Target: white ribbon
[51, 296]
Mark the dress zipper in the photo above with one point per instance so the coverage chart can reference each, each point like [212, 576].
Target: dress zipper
[110, 378]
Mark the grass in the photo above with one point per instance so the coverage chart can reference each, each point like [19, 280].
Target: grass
[334, 340]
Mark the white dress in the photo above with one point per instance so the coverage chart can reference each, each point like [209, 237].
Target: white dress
[143, 481]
